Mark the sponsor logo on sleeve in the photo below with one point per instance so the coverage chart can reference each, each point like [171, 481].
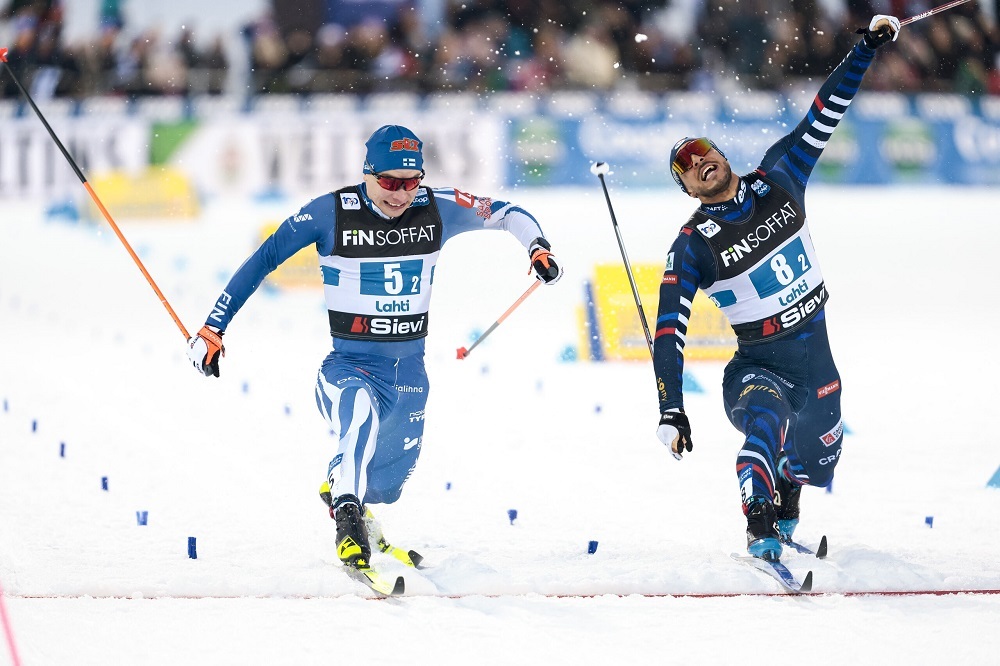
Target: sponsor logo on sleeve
[830, 438]
[464, 200]
[760, 187]
[670, 278]
[670, 262]
[483, 209]
[350, 201]
[824, 391]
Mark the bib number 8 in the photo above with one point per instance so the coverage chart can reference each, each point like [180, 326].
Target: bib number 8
[784, 273]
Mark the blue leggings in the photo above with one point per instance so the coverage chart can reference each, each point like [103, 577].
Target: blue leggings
[375, 407]
[785, 397]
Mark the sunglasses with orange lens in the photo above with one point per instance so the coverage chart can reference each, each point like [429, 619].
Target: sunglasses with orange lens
[683, 160]
[393, 184]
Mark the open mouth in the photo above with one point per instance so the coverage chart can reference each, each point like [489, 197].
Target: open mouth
[708, 170]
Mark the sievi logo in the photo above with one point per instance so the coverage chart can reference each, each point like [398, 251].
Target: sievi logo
[669, 278]
[824, 391]
[464, 200]
[404, 144]
[794, 314]
[386, 326]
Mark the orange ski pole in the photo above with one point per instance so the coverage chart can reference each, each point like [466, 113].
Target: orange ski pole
[93, 195]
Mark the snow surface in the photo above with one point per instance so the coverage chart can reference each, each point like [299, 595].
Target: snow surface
[91, 361]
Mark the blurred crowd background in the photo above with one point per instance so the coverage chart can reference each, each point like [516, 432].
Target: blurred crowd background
[484, 46]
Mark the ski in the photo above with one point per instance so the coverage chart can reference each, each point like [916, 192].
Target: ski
[410, 558]
[820, 551]
[383, 585]
[779, 572]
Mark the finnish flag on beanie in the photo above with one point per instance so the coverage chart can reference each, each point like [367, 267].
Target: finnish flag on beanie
[393, 147]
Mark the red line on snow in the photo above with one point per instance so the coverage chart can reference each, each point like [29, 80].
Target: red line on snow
[648, 595]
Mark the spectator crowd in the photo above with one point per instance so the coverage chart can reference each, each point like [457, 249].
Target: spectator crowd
[485, 46]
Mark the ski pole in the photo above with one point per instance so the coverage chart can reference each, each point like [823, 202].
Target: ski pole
[599, 169]
[931, 12]
[463, 352]
[93, 195]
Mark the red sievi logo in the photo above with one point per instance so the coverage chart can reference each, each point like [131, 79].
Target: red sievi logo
[669, 278]
[404, 144]
[464, 200]
[771, 326]
[360, 325]
[824, 391]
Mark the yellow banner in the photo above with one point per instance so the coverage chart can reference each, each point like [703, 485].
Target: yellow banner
[156, 193]
[610, 325]
[300, 270]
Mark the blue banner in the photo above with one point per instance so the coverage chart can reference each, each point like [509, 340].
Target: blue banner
[890, 139]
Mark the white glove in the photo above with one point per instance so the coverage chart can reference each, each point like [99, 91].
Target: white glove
[881, 29]
[204, 350]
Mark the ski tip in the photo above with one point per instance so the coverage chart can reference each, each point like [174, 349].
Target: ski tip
[807, 583]
[416, 558]
[821, 551]
[400, 587]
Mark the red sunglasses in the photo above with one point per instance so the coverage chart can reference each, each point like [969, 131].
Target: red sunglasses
[683, 160]
[393, 184]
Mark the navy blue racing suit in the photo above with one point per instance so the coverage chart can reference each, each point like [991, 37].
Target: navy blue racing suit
[753, 256]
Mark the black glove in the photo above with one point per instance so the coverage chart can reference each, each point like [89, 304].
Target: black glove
[675, 431]
[547, 269]
[882, 30]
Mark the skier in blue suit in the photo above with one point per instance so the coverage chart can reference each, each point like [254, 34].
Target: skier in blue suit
[378, 244]
[748, 247]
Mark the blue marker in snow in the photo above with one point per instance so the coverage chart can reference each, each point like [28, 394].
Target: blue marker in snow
[192, 549]
[512, 514]
[591, 547]
[929, 521]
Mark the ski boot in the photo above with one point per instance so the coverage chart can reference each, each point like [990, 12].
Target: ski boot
[352, 534]
[762, 531]
[786, 501]
[410, 558]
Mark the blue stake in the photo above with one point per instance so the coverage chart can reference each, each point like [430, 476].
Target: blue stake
[591, 547]
[192, 549]
[929, 521]
[104, 483]
[512, 514]
[141, 517]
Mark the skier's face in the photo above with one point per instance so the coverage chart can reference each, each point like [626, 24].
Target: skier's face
[393, 202]
[709, 177]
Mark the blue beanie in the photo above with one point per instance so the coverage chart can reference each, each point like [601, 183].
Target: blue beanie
[673, 155]
[393, 147]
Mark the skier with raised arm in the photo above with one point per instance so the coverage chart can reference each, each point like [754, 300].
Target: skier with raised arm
[378, 244]
[748, 248]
